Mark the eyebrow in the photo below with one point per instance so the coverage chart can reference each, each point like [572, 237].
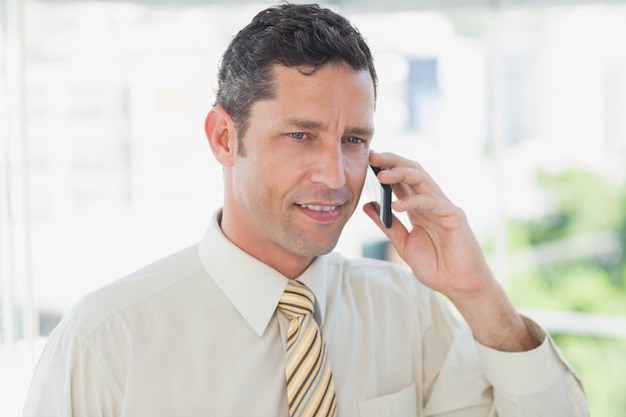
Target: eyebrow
[310, 124]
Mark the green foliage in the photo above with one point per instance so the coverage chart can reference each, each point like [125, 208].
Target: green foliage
[582, 205]
[601, 365]
[582, 289]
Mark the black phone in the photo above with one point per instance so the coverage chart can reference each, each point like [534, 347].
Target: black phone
[381, 194]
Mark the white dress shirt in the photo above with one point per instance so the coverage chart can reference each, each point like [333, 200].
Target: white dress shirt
[197, 334]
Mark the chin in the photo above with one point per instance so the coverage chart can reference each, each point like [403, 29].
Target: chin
[308, 248]
[313, 241]
[325, 248]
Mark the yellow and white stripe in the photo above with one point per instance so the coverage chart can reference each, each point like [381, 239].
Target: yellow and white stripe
[310, 386]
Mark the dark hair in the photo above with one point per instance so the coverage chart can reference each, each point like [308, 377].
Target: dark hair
[303, 35]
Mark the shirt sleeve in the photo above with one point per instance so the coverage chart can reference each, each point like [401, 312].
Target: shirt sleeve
[538, 382]
[462, 378]
[70, 380]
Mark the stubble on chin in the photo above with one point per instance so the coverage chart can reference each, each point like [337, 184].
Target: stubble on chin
[307, 244]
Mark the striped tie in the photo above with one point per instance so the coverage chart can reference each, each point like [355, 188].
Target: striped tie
[310, 386]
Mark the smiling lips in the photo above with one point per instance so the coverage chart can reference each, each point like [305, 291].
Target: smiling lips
[318, 208]
[321, 213]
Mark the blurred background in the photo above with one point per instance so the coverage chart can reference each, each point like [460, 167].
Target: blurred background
[517, 109]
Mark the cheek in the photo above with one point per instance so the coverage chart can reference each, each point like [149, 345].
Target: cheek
[251, 181]
[266, 186]
[356, 169]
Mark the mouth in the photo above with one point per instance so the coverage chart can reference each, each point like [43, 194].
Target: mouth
[322, 213]
[318, 207]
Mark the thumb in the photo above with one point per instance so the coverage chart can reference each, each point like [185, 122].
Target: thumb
[396, 233]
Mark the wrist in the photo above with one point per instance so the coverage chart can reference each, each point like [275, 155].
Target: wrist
[494, 321]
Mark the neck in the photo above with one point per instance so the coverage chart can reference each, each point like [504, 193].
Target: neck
[288, 264]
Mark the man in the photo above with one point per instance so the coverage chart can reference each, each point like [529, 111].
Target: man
[229, 327]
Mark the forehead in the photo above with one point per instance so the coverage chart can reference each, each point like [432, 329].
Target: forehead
[333, 73]
[330, 91]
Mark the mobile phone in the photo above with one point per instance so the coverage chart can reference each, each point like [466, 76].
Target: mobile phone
[380, 194]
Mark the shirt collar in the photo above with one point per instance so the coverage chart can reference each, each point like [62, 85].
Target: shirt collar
[253, 287]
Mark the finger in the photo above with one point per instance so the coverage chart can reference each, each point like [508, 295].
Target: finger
[396, 233]
[430, 208]
[397, 169]
[372, 209]
[410, 180]
[387, 160]
[423, 202]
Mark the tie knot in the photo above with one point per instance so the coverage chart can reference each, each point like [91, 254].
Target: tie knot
[297, 300]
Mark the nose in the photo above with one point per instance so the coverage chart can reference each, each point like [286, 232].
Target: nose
[329, 167]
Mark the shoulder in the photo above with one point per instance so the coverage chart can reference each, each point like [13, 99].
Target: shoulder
[149, 288]
[375, 276]
[388, 290]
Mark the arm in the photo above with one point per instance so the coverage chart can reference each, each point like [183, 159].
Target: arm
[443, 253]
[68, 381]
[472, 380]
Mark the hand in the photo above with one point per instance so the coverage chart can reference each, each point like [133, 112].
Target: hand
[443, 253]
[440, 249]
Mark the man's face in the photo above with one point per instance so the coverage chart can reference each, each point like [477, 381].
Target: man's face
[306, 157]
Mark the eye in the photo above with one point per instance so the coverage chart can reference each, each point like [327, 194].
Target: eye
[298, 135]
[354, 140]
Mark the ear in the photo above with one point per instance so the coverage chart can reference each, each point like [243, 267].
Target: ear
[222, 135]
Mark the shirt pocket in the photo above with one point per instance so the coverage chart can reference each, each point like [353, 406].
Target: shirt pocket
[399, 404]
